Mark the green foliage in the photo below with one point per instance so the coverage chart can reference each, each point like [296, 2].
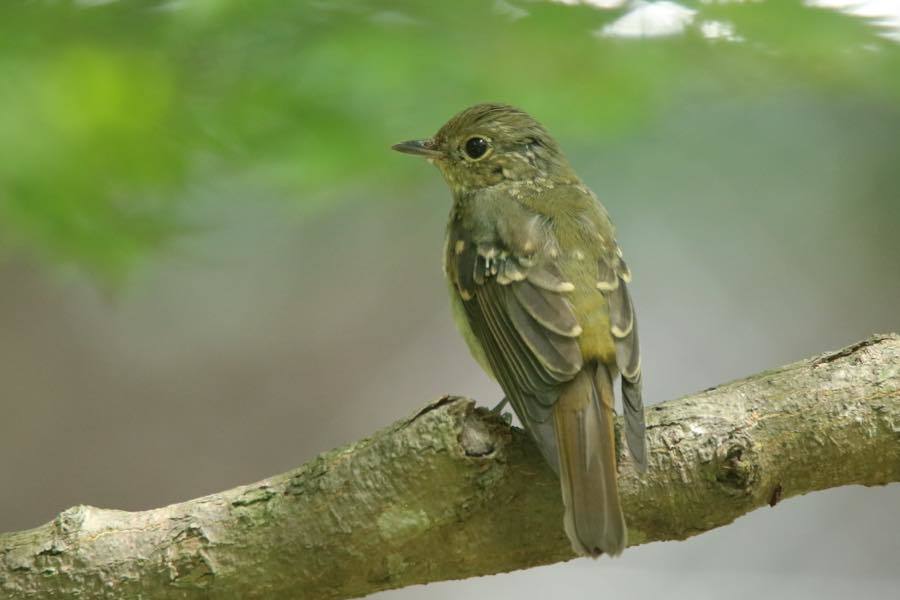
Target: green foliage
[111, 115]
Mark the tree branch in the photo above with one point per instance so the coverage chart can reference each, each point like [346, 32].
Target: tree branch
[454, 492]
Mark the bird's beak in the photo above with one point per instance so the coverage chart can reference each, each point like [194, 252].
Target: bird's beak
[424, 148]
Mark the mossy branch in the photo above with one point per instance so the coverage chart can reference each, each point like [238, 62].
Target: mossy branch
[453, 492]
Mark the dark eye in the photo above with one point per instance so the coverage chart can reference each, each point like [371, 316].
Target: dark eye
[476, 147]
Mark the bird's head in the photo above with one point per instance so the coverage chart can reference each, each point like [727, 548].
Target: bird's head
[488, 144]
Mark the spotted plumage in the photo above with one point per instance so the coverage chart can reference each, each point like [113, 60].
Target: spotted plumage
[539, 292]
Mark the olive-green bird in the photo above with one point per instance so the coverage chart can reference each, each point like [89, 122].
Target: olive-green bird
[538, 289]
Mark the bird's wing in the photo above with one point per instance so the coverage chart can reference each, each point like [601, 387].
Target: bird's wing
[612, 280]
[519, 311]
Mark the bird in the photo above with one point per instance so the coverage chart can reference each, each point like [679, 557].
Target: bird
[538, 289]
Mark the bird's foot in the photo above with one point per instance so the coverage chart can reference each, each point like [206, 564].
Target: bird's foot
[498, 410]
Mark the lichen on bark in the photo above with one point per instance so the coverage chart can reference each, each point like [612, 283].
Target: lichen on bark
[454, 492]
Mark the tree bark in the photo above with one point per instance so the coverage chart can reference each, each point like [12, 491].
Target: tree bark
[454, 492]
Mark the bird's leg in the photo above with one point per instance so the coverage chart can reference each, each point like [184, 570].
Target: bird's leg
[498, 410]
[500, 406]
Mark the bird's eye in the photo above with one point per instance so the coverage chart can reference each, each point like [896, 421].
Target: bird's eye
[477, 147]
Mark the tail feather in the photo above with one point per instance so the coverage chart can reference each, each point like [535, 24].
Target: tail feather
[584, 421]
[635, 430]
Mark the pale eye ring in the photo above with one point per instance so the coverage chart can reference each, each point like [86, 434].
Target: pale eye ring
[477, 147]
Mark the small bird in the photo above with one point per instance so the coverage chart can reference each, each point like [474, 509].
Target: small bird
[538, 290]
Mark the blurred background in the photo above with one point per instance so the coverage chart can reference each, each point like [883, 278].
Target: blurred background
[212, 267]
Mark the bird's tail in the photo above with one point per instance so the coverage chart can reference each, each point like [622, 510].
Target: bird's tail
[583, 418]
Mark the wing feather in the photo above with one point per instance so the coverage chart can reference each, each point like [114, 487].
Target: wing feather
[552, 311]
[557, 354]
[549, 277]
[613, 275]
[518, 310]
